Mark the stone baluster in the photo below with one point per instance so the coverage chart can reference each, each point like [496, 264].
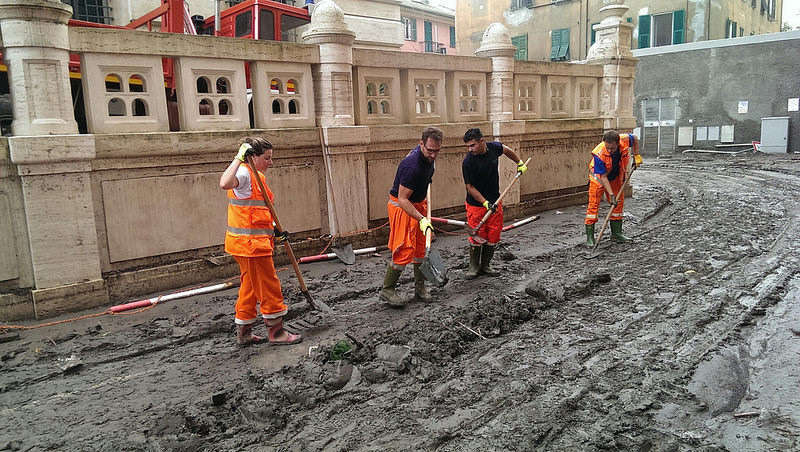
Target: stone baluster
[612, 49]
[53, 162]
[36, 51]
[496, 44]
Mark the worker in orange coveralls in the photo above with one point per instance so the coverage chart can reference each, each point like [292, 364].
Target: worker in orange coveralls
[407, 207]
[482, 180]
[250, 238]
[607, 172]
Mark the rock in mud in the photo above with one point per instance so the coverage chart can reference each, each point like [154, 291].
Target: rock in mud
[546, 292]
[397, 356]
[218, 398]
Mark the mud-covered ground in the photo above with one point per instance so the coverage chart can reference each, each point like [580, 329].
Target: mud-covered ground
[686, 339]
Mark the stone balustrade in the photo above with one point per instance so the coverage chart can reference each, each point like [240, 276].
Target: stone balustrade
[132, 205]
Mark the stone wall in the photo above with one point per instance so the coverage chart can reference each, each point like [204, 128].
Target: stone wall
[131, 207]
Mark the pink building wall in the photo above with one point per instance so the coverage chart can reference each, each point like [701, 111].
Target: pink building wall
[440, 33]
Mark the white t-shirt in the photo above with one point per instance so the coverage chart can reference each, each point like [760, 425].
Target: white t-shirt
[243, 190]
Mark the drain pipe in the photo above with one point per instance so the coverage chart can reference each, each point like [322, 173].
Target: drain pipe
[216, 17]
[172, 296]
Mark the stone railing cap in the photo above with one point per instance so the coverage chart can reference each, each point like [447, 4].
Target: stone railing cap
[47, 10]
[496, 40]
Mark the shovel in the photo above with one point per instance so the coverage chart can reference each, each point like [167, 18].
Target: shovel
[432, 267]
[345, 254]
[593, 255]
[317, 305]
[502, 195]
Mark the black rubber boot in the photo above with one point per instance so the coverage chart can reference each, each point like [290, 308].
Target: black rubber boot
[616, 232]
[389, 290]
[590, 241]
[487, 252]
[420, 292]
[474, 262]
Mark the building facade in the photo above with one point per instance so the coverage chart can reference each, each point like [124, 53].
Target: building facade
[562, 30]
[427, 28]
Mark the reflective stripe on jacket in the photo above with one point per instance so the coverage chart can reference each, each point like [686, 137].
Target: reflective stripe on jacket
[250, 230]
[601, 152]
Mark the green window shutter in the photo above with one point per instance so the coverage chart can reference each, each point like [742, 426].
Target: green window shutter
[413, 29]
[563, 49]
[678, 27]
[453, 37]
[727, 28]
[428, 31]
[733, 30]
[521, 43]
[594, 33]
[644, 32]
[555, 43]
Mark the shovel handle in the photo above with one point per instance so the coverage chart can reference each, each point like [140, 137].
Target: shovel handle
[502, 195]
[286, 244]
[428, 232]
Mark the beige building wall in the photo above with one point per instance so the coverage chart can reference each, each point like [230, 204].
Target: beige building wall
[537, 21]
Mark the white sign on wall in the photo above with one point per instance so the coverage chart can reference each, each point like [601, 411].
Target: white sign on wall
[685, 136]
[702, 133]
[743, 106]
[726, 136]
[794, 104]
[713, 133]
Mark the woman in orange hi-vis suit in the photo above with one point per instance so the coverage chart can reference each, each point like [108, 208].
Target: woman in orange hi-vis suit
[250, 238]
[607, 172]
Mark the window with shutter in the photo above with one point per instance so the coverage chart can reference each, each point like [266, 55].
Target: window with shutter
[644, 32]
[521, 43]
[563, 49]
[727, 28]
[733, 29]
[678, 27]
[555, 42]
[453, 37]
[594, 33]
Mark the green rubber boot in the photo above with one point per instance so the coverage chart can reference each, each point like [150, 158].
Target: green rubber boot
[616, 232]
[389, 291]
[590, 241]
[487, 252]
[420, 292]
[474, 262]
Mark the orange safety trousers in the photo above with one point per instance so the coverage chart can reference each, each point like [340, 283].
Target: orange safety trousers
[596, 193]
[490, 231]
[406, 240]
[259, 284]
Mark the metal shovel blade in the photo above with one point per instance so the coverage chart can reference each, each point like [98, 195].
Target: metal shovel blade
[345, 254]
[433, 268]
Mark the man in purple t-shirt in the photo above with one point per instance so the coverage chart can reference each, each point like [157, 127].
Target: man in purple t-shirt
[407, 221]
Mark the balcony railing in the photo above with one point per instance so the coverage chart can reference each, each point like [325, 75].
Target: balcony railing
[435, 47]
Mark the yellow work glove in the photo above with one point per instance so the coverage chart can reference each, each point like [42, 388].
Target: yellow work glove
[244, 150]
[489, 206]
[425, 224]
[637, 160]
[521, 167]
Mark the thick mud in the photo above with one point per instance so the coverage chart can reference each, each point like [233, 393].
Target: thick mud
[686, 339]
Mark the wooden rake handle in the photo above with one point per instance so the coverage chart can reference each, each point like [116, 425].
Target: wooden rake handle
[502, 195]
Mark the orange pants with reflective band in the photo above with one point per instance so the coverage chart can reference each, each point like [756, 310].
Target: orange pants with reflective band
[406, 240]
[596, 193]
[490, 231]
[260, 284]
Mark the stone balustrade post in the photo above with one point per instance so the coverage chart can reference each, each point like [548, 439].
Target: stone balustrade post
[496, 44]
[36, 51]
[333, 84]
[612, 49]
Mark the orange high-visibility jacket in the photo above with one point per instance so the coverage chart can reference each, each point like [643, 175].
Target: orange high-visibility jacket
[250, 230]
[625, 144]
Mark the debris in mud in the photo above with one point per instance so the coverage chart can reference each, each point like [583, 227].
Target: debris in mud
[9, 337]
[71, 365]
[219, 398]
[396, 355]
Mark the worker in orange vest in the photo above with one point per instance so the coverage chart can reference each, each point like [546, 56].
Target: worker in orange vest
[250, 238]
[607, 172]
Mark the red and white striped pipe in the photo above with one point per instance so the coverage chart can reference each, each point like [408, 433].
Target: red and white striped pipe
[520, 223]
[172, 296]
[329, 256]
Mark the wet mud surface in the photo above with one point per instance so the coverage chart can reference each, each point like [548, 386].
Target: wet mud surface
[686, 339]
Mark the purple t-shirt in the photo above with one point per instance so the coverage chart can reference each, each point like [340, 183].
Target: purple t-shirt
[414, 173]
[480, 171]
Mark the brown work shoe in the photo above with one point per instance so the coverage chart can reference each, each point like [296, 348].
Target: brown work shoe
[245, 336]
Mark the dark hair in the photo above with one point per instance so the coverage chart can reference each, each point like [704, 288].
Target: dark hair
[611, 137]
[473, 134]
[260, 145]
[433, 133]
